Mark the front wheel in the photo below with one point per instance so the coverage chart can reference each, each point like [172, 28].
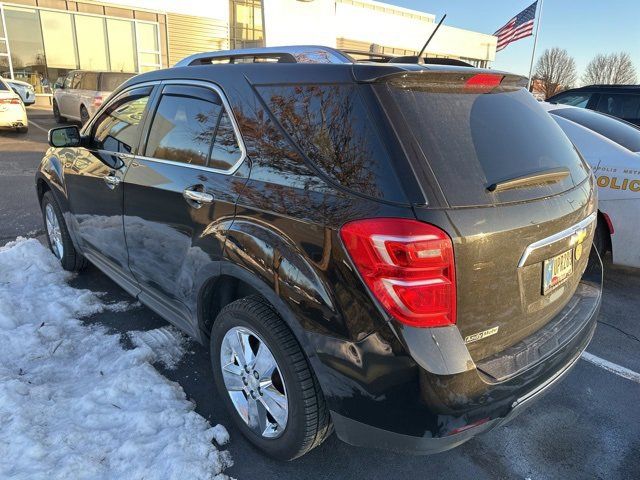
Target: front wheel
[56, 113]
[58, 237]
[265, 380]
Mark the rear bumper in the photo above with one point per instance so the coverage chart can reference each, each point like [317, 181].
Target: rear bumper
[436, 422]
[14, 116]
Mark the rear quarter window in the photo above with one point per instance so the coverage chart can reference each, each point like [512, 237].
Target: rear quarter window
[110, 81]
[333, 128]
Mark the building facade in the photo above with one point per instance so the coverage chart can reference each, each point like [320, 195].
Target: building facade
[42, 40]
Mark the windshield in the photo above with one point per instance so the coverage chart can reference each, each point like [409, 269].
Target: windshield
[621, 132]
[472, 139]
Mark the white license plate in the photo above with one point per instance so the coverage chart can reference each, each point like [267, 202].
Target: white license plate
[556, 270]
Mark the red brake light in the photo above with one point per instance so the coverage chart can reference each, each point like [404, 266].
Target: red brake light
[408, 266]
[15, 101]
[483, 82]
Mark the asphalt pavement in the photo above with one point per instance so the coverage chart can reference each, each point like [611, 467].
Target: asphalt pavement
[587, 427]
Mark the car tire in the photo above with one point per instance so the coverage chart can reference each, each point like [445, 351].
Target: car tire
[601, 237]
[84, 115]
[56, 113]
[58, 238]
[307, 422]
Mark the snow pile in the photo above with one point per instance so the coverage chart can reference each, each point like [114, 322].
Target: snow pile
[166, 345]
[73, 403]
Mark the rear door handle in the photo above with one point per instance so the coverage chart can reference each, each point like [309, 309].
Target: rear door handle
[111, 180]
[197, 197]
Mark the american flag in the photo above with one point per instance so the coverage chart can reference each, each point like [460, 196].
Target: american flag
[518, 27]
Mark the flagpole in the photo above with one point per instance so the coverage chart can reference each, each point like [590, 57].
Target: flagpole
[535, 43]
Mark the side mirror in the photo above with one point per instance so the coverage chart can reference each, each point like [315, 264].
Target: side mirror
[65, 137]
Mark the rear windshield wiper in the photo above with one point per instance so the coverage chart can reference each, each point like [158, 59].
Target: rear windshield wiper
[546, 176]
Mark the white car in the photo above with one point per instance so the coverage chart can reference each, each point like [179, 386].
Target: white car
[12, 111]
[612, 147]
[24, 89]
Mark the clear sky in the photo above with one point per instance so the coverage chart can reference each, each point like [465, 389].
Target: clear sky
[583, 27]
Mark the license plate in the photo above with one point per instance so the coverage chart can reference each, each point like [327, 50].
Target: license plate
[556, 270]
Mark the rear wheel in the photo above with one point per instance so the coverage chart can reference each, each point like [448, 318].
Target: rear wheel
[56, 113]
[84, 115]
[265, 380]
[58, 236]
[602, 238]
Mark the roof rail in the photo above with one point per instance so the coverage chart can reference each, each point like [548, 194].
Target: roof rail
[286, 54]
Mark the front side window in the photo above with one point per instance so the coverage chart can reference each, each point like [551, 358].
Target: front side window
[191, 126]
[118, 127]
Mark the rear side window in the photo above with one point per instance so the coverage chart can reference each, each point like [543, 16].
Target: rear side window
[89, 81]
[574, 99]
[191, 126]
[624, 134]
[619, 105]
[471, 139]
[334, 130]
[3, 86]
[110, 81]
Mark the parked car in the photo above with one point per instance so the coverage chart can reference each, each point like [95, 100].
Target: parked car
[82, 93]
[612, 147]
[622, 101]
[24, 89]
[12, 111]
[355, 242]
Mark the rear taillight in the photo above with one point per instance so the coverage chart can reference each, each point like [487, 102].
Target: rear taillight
[15, 101]
[97, 101]
[483, 82]
[408, 266]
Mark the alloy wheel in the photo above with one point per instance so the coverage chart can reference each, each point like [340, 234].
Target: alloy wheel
[254, 383]
[53, 231]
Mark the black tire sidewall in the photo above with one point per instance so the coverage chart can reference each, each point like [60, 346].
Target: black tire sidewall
[84, 115]
[56, 112]
[288, 444]
[68, 259]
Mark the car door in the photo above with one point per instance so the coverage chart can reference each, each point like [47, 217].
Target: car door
[180, 195]
[62, 94]
[94, 181]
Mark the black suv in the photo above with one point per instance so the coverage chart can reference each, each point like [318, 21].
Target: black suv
[622, 101]
[393, 251]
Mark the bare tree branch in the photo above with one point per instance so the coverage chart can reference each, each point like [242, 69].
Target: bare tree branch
[612, 69]
[555, 70]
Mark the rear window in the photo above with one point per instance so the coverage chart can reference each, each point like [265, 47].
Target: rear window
[622, 133]
[111, 81]
[471, 140]
[332, 126]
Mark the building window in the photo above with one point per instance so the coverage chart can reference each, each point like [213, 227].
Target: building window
[245, 25]
[148, 46]
[92, 43]
[26, 46]
[122, 45]
[4, 48]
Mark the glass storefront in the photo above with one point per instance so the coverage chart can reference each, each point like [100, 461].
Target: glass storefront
[41, 46]
[246, 27]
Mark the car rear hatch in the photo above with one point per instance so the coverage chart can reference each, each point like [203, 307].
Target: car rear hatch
[507, 186]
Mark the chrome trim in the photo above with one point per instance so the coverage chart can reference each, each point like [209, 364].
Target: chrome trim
[556, 237]
[199, 197]
[301, 53]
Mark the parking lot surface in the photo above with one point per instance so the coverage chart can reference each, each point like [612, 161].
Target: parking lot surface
[586, 427]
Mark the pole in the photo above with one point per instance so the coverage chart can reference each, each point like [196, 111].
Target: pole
[535, 43]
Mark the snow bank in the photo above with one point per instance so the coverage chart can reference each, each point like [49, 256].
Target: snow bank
[73, 403]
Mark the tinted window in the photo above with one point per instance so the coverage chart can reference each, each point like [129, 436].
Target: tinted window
[332, 127]
[68, 81]
[226, 151]
[111, 81]
[619, 105]
[618, 131]
[183, 129]
[89, 81]
[118, 128]
[472, 140]
[573, 99]
[75, 80]
[3, 86]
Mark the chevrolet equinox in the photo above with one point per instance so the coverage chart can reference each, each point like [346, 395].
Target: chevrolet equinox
[394, 251]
